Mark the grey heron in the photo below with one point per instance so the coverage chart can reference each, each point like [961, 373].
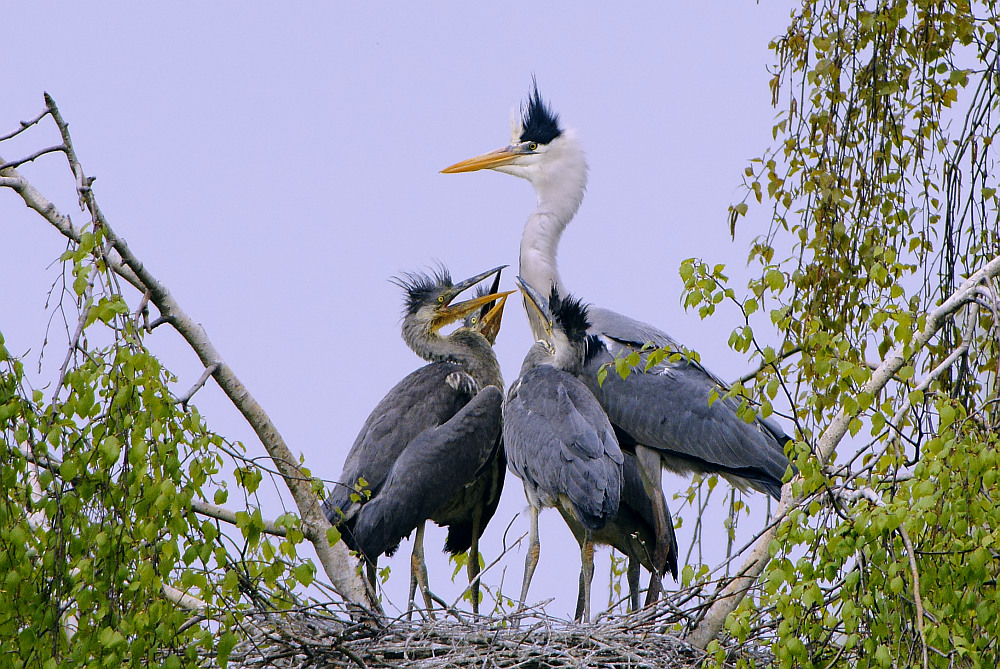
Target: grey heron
[560, 444]
[667, 416]
[431, 449]
[632, 529]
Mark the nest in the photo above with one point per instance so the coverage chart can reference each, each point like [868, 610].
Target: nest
[532, 640]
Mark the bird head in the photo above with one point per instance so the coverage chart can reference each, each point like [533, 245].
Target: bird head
[564, 325]
[486, 321]
[537, 149]
[430, 300]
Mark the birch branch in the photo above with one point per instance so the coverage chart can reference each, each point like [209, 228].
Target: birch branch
[336, 560]
[731, 596]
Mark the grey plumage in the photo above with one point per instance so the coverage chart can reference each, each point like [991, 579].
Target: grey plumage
[424, 411]
[447, 457]
[669, 410]
[431, 449]
[560, 444]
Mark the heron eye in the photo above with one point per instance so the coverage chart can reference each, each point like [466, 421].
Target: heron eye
[441, 299]
[474, 320]
[533, 146]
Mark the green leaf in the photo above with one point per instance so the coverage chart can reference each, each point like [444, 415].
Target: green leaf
[225, 648]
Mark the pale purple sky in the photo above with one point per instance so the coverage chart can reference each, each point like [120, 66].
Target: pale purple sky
[274, 167]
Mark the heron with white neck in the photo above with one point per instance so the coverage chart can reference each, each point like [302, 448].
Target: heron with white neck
[665, 417]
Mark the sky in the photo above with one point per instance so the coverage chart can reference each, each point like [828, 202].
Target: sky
[275, 166]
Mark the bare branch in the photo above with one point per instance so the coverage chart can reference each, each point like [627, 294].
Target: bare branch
[186, 397]
[36, 154]
[24, 126]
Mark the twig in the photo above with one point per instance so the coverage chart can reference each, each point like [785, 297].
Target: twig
[85, 300]
[916, 590]
[36, 154]
[205, 375]
[503, 554]
[772, 363]
[24, 126]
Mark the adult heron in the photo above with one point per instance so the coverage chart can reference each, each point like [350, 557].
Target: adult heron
[431, 449]
[668, 416]
[539, 422]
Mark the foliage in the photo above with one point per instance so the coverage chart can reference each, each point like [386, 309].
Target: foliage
[883, 198]
[98, 530]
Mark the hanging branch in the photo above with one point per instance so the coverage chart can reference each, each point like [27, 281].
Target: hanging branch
[335, 559]
[730, 597]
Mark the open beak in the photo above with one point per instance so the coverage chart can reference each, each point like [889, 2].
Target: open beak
[447, 312]
[536, 306]
[498, 158]
[489, 324]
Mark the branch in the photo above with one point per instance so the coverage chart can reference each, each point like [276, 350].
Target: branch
[202, 380]
[36, 154]
[225, 515]
[731, 596]
[24, 126]
[335, 559]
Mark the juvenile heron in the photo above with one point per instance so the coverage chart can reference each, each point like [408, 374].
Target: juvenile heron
[560, 444]
[632, 530]
[431, 448]
[665, 416]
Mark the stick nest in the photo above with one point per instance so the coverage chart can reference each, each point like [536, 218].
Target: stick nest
[294, 640]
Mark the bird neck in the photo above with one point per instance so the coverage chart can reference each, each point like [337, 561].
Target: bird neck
[559, 188]
[465, 347]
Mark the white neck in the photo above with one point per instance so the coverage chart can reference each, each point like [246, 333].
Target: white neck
[559, 184]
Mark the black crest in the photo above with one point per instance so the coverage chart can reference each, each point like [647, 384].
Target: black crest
[539, 123]
[422, 288]
[571, 315]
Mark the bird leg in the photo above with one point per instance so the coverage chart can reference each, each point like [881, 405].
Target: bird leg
[473, 565]
[632, 575]
[655, 588]
[586, 579]
[649, 469]
[531, 559]
[418, 574]
[371, 570]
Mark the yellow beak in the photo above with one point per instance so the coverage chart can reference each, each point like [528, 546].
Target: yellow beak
[504, 156]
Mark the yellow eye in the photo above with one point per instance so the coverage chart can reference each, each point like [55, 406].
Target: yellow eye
[533, 146]
[441, 299]
[473, 320]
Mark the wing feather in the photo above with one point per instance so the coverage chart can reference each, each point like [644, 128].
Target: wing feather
[434, 468]
[560, 444]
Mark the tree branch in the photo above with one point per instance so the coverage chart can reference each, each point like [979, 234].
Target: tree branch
[335, 559]
[730, 597]
[225, 515]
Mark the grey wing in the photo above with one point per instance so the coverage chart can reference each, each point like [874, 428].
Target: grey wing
[670, 412]
[624, 331]
[560, 444]
[423, 400]
[433, 469]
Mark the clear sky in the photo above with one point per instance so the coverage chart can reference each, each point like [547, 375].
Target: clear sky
[275, 164]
